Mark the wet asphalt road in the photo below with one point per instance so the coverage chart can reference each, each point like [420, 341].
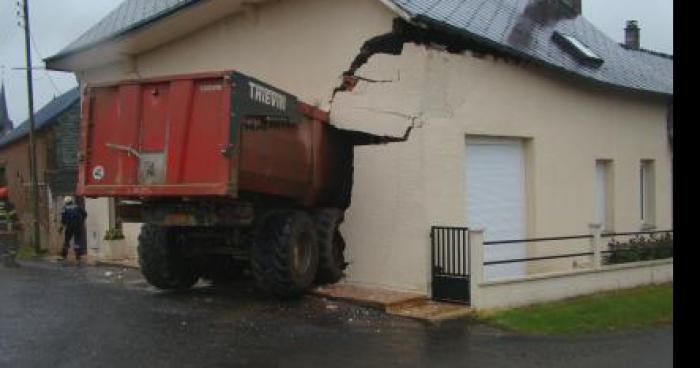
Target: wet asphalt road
[109, 317]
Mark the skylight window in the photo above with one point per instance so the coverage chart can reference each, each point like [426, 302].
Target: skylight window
[578, 49]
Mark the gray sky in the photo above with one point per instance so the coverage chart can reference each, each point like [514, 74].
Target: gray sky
[57, 23]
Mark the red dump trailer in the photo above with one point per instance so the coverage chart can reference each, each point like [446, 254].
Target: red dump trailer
[226, 172]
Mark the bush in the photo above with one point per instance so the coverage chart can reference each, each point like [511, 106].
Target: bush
[640, 249]
[114, 234]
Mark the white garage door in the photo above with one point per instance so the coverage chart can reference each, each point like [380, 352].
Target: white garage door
[496, 200]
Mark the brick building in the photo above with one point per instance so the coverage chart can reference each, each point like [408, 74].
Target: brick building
[57, 133]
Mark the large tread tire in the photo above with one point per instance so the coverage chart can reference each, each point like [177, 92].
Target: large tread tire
[162, 260]
[277, 240]
[331, 259]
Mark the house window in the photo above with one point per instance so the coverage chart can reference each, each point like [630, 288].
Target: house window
[604, 194]
[646, 194]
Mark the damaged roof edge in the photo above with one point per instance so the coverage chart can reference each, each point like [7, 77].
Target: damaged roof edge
[135, 27]
[423, 21]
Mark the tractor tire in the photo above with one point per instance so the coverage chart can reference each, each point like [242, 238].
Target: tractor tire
[162, 260]
[284, 254]
[331, 245]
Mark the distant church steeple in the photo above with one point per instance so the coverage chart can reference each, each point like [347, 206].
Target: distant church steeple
[5, 122]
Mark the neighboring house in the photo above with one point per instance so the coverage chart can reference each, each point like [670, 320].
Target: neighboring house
[527, 120]
[56, 137]
[5, 122]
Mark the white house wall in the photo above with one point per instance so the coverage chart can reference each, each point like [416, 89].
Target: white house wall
[570, 125]
[300, 46]
[402, 189]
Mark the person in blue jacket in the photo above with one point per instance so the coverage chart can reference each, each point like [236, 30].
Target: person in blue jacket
[72, 219]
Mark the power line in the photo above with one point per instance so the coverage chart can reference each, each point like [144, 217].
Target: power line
[36, 49]
[34, 77]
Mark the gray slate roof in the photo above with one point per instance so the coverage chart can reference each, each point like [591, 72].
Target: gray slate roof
[44, 117]
[525, 28]
[128, 16]
[661, 63]
[519, 27]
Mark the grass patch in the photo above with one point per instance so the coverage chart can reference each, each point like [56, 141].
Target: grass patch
[28, 252]
[603, 312]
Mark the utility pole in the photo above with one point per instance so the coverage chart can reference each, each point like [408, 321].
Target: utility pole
[36, 239]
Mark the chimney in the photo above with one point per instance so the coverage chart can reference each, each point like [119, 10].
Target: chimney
[632, 35]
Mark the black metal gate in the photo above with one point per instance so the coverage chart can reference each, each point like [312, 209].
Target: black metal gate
[450, 264]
